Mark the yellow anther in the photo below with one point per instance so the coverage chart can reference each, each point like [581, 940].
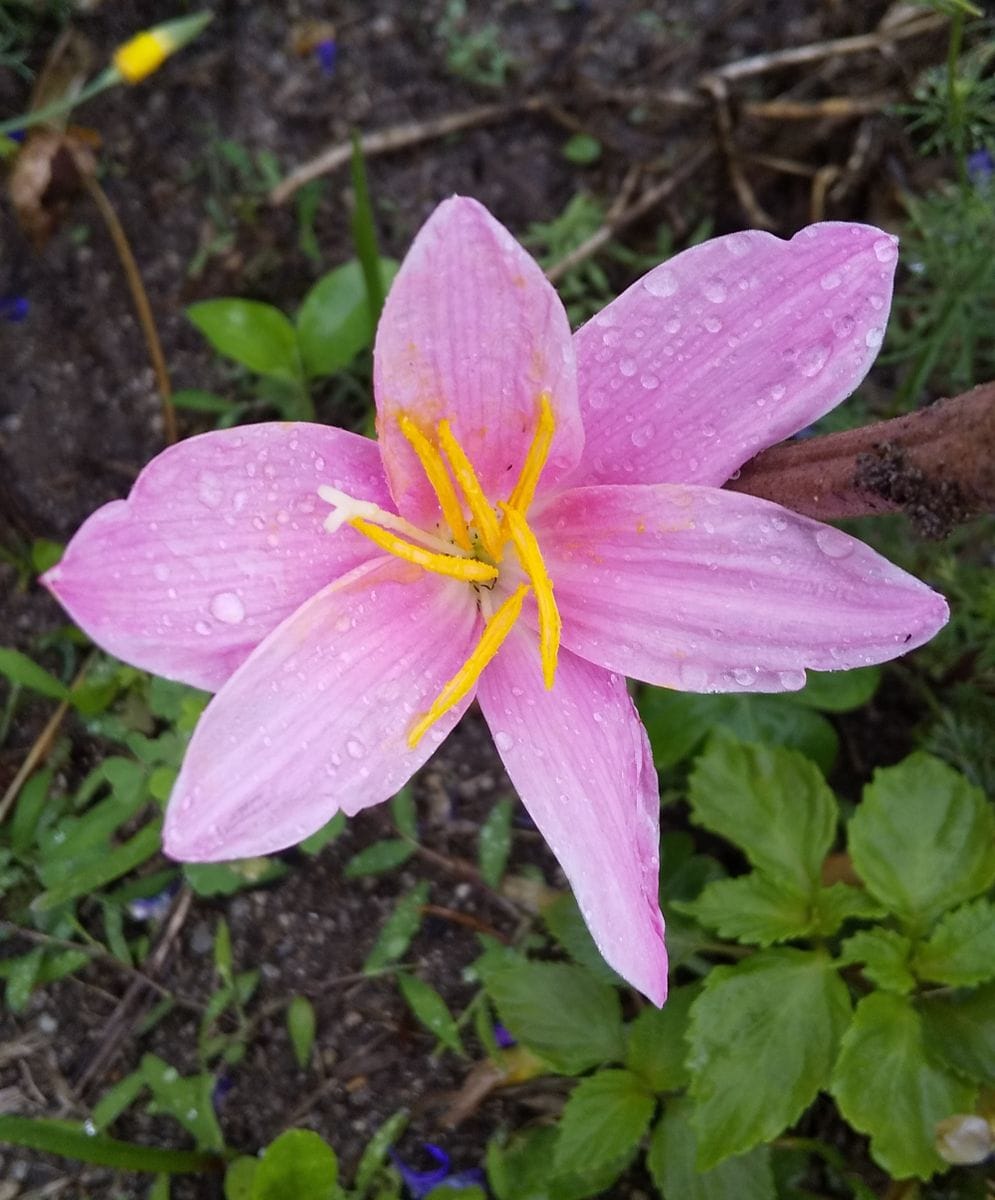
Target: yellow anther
[438, 477]
[525, 489]
[483, 514]
[495, 631]
[530, 556]
[141, 55]
[452, 565]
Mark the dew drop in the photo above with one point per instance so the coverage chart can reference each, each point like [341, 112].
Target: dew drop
[661, 282]
[202, 628]
[355, 748]
[650, 382]
[791, 681]
[833, 543]
[831, 280]
[161, 572]
[210, 490]
[228, 608]
[744, 676]
[712, 324]
[874, 337]
[844, 326]
[503, 740]
[885, 250]
[642, 435]
[812, 360]
[672, 325]
[343, 623]
[714, 290]
[627, 367]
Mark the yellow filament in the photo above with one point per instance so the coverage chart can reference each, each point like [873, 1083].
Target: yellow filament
[438, 477]
[530, 556]
[469, 569]
[466, 476]
[525, 489]
[495, 631]
[141, 55]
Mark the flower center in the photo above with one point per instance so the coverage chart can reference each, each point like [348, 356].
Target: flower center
[469, 545]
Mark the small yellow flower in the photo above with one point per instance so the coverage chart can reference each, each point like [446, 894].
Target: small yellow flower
[148, 50]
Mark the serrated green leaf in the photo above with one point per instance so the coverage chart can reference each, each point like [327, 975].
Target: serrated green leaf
[774, 803]
[960, 1032]
[398, 930]
[494, 842]
[762, 1037]
[884, 957]
[430, 1008]
[656, 1041]
[605, 1116]
[564, 921]
[839, 691]
[522, 1170]
[886, 1087]
[380, 857]
[751, 908]
[671, 1162]
[923, 839]
[561, 1012]
[678, 721]
[961, 949]
[301, 1026]
[20, 669]
[254, 334]
[299, 1163]
[841, 902]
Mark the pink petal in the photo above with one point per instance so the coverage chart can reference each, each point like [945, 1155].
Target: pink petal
[219, 541]
[316, 720]
[711, 591]
[728, 348]
[580, 760]
[473, 332]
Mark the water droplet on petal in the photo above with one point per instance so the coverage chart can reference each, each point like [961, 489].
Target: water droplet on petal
[791, 681]
[886, 250]
[661, 282]
[355, 748]
[834, 543]
[714, 289]
[844, 326]
[642, 435]
[210, 489]
[874, 337]
[503, 740]
[831, 279]
[712, 324]
[161, 572]
[812, 360]
[202, 628]
[627, 367]
[228, 608]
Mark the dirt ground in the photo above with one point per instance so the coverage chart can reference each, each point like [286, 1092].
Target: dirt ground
[79, 416]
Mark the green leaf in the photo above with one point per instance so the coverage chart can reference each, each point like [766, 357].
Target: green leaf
[375, 1153]
[763, 1037]
[111, 866]
[841, 902]
[494, 842]
[20, 669]
[582, 149]
[960, 1031]
[254, 334]
[961, 949]
[31, 805]
[522, 1170]
[656, 1041]
[301, 1025]
[446, 1191]
[188, 1099]
[45, 554]
[201, 401]
[564, 921]
[239, 1176]
[886, 1087]
[224, 879]
[671, 1162]
[22, 974]
[604, 1118]
[364, 232]
[751, 908]
[430, 1008]
[884, 955]
[678, 721]
[325, 835]
[70, 1140]
[838, 691]
[923, 839]
[404, 814]
[299, 1163]
[398, 930]
[117, 1099]
[562, 1012]
[380, 857]
[772, 802]
[334, 323]
[160, 1190]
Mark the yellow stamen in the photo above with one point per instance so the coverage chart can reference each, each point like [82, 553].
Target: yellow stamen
[530, 556]
[468, 569]
[438, 477]
[495, 631]
[466, 476]
[141, 55]
[525, 489]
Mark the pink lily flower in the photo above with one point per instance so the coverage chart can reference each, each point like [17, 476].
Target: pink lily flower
[542, 517]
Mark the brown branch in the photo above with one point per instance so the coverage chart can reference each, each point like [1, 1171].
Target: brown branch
[936, 465]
